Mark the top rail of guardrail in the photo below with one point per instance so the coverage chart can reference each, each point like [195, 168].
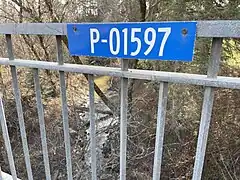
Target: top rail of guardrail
[217, 28]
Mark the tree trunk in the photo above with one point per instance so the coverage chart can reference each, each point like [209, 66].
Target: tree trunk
[134, 62]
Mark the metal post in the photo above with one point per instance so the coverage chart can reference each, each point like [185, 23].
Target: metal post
[1, 174]
[7, 141]
[92, 127]
[64, 109]
[17, 96]
[162, 104]
[123, 121]
[41, 123]
[207, 109]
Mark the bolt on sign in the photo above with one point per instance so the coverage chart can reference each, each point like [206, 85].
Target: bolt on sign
[141, 40]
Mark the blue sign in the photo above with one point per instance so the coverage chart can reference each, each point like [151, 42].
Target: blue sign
[143, 40]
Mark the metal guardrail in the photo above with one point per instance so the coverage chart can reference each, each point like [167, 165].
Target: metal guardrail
[218, 30]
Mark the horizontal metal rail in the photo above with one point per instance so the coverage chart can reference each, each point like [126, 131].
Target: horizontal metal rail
[219, 28]
[172, 77]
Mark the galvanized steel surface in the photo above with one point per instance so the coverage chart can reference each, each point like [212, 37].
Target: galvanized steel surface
[41, 123]
[173, 77]
[162, 105]
[17, 96]
[64, 109]
[207, 109]
[7, 142]
[212, 28]
[216, 29]
[92, 127]
[123, 121]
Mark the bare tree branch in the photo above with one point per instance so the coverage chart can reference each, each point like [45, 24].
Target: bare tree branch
[107, 102]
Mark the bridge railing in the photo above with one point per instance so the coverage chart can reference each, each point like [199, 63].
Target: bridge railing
[217, 30]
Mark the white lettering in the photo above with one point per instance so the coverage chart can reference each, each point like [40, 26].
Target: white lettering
[151, 42]
[167, 32]
[117, 35]
[137, 40]
[92, 39]
[125, 42]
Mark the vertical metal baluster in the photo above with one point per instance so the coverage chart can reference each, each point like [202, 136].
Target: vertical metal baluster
[17, 96]
[123, 121]
[41, 123]
[64, 109]
[7, 140]
[162, 105]
[92, 127]
[1, 174]
[207, 109]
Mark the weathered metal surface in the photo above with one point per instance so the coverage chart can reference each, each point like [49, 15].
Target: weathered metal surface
[172, 77]
[64, 109]
[92, 128]
[162, 105]
[17, 96]
[123, 121]
[7, 142]
[216, 28]
[41, 123]
[219, 28]
[207, 110]
[33, 28]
